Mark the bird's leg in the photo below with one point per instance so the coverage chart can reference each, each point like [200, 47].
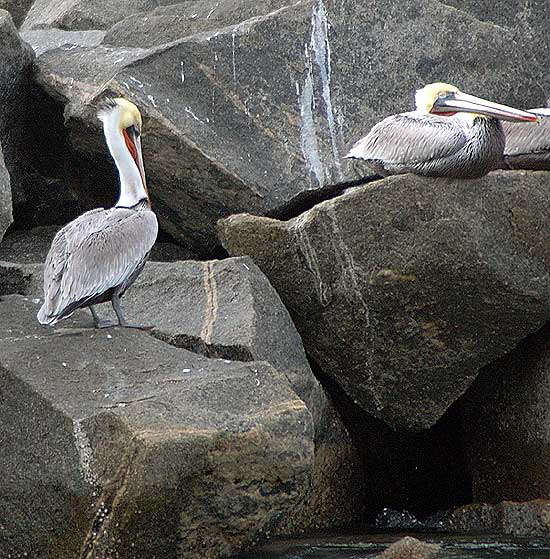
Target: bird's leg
[115, 300]
[98, 323]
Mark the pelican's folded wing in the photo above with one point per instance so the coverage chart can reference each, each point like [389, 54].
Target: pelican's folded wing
[410, 138]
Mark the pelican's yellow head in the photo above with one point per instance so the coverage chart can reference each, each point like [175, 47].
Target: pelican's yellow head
[125, 112]
[446, 100]
[426, 97]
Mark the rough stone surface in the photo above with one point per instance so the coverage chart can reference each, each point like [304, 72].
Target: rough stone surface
[403, 289]
[410, 548]
[220, 139]
[6, 216]
[24, 279]
[43, 40]
[169, 23]
[15, 84]
[17, 8]
[77, 15]
[228, 309]
[150, 448]
[509, 405]
[530, 518]
[32, 246]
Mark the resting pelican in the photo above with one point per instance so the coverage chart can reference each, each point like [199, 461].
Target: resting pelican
[528, 145]
[451, 134]
[96, 257]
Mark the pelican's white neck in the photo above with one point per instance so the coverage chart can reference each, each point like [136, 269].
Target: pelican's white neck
[131, 184]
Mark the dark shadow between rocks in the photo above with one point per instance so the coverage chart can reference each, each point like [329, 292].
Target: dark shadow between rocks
[307, 199]
[419, 474]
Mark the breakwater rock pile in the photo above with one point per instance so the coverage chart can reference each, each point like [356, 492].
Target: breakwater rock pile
[325, 344]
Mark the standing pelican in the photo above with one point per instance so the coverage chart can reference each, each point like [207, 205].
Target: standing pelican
[451, 134]
[528, 145]
[96, 257]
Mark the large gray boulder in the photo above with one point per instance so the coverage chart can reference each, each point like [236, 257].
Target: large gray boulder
[248, 116]
[404, 288]
[148, 451]
[228, 309]
[506, 425]
[77, 15]
[6, 216]
[170, 23]
[524, 519]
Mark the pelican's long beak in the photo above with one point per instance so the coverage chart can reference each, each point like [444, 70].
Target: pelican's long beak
[462, 102]
[133, 143]
[139, 162]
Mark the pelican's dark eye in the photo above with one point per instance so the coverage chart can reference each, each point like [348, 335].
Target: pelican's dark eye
[133, 131]
[442, 94]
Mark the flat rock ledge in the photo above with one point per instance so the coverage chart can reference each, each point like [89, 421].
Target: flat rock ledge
[116, 444]
[404, 288]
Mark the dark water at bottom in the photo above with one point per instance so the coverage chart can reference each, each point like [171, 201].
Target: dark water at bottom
[368, 546]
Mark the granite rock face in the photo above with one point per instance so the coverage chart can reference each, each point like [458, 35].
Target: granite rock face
[78, 15]
[221, 139]
[150, 448]
[228, 309]
[6, 216]
[403, 289]
[505, 418]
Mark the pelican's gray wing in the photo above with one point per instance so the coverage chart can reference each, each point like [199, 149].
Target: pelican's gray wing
[94, 253]
[409, 138]
[528, 143]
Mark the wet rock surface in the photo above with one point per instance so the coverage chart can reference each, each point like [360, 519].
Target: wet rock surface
[428, 311]
[151, 448]
[528, 518]
[505, 424]
[410, 548]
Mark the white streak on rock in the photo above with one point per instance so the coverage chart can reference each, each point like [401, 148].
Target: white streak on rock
[152, 99]
[324, 293]
[84, 452]
[181, 72]
[321, 47]
[310, 148]
[190, 112]
[137, 82]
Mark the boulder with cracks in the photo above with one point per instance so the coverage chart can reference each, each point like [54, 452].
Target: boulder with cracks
[149, 448]
[403, 289]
